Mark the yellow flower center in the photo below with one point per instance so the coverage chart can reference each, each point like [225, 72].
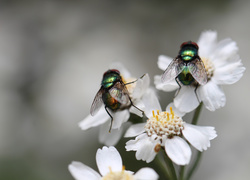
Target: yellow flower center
[120, 175]
[164, 124]
[209, 66]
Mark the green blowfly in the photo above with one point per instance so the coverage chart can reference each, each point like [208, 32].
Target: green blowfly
[187, 68]
[113, 94]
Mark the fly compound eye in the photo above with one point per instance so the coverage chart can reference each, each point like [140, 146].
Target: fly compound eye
[190, 43]
[195, 44]
[115, 71]
[112, 71]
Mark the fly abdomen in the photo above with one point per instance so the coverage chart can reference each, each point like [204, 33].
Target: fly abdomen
[110, 102]
[185, 77]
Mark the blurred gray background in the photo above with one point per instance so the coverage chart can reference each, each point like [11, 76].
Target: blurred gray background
[53, 55]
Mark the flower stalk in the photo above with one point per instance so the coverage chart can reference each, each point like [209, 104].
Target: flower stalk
[195, 165]
[197, 114]
[182, 172]
[159, 161]
[198, 154]
[171, 167]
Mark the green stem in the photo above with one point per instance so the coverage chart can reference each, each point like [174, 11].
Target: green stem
[162, 166]
[170, 166]
[197, 114]
[182, 170]
[195, 165]
[198, 155]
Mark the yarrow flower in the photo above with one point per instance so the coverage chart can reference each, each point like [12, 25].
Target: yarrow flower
[136, 92]
[223, 66]
[166, 129]
[110, 166]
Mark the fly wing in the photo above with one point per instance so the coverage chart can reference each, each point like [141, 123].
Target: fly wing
[198, 71]
[97, 103]
[120, 93]
[173, 70]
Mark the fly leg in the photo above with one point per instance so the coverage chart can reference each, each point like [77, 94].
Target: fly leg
[177, 92]
[110, 117]
[135, 80]
[132, 104]
[195, 90]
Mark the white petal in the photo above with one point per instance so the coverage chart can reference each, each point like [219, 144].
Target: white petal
[209, 131]
[212, 96]
[123, 71]
[178, 150]
[186, 100]
[143, 146]
[135, 130]
[141, 86]
[139, 104]
[133, 145]
[107, 158]
[168, 87]
[199, 136]
[224, 51]
[92, 121]
[109, 138]
[229, 73]
[82, 172]
[207, 43]
[120, 117]
[151, 102]
[164, 61]
[176, 110]
[146, 174]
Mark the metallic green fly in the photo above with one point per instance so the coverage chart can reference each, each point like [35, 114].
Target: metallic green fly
[187, 68]
[113, 94]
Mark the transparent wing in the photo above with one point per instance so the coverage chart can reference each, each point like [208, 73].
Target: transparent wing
[97, 103]
[198, 71]
[173, 70]
[120, 93]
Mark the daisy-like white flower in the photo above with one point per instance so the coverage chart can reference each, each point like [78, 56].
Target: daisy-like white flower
[109, 163]
[168, 130]
[136, 91]
[223, 66]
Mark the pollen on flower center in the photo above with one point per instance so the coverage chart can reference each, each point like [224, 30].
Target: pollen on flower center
[164, 124]
[118, 175]
[209, 66]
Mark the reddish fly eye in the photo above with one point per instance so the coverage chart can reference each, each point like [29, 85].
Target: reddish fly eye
[189, 43]
[111, 71]
[115, 70]
[195, 44]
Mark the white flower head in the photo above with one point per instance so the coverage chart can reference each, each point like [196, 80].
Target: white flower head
[101, 118]
[167, 129]
[109, 163]
[223, 66]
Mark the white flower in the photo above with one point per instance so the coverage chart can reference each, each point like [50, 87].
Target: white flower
[223, 66]
[167, 129]
[110, 166]
[136, 92]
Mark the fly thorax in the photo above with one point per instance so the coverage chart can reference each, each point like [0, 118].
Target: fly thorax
[188, 53]
[118, 175]
[164, 125]
[209, 67]
[109, 80]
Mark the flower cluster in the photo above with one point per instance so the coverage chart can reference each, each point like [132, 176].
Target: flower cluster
[197, 73]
